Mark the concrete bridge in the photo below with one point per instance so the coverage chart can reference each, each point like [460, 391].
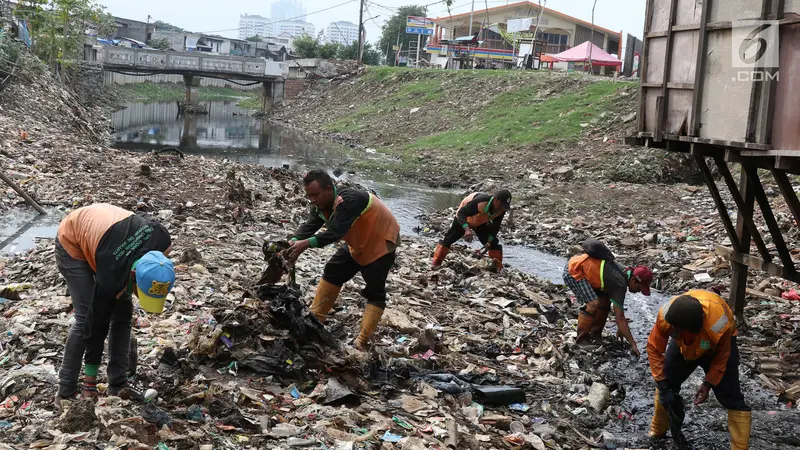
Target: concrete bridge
[196, 65]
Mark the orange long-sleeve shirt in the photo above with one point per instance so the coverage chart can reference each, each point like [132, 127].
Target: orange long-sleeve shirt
[715, 337]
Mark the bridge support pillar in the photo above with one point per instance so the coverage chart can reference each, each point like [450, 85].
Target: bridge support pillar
[192, 94]
[189, 135]
[274, 92]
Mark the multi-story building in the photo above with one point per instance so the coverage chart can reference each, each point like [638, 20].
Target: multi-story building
[251, 25]
[287, 10]
[556, 33]
[342, 32]
[295, 28]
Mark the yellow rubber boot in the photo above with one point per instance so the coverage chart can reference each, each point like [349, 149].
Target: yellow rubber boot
[324, 299]
[439, 255]
[497, 256]
[739, 427]
[660, 423]
[369, 323]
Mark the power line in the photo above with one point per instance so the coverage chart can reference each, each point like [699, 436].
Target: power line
[284, 20]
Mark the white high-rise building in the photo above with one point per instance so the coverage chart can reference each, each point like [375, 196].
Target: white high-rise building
[287, 10]
[343, 32]
[295, 28]
[254, 26]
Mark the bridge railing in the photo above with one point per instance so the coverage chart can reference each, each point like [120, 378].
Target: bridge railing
[138, 59]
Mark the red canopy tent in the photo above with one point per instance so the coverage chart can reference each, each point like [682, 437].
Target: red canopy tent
[581, 53]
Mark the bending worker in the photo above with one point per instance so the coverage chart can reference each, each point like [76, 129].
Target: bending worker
[482, 213]
[599, 283]
[105, 254]
[372, 235]
[703, 334]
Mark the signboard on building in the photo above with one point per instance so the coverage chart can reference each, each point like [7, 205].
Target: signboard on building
[419, 25]
[395, 47]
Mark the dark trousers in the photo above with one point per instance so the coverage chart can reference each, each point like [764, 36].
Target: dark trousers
[341, 268]
[456, 232]
[728, 391]
[79, 277]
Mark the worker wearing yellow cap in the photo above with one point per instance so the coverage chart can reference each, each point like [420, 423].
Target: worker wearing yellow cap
[106, 254]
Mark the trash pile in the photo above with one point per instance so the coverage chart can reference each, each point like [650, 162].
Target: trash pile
[679, 243]
[41, 123]
[463, 357]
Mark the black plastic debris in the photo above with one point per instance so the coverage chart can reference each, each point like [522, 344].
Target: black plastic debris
[338, 394]
[155, 415]
[289, 313]
[276, 264]
[498, 395]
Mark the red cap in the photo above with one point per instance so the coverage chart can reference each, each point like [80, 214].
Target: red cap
[645, 277]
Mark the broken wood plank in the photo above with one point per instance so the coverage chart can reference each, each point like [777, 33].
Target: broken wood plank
[757, 263]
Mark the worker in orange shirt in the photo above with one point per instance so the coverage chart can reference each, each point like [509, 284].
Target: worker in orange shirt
[598, 283]
[703, 334]
[372, 235]
[105, 254]
[482, 213]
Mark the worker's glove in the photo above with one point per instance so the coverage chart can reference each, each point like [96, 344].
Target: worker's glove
[665, 395]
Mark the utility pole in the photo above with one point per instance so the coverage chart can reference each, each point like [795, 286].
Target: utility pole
[397, 52]
[471, 13]
[591, 42]
[361, 31]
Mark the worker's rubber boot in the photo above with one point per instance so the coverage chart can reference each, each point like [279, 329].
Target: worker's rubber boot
[585, 321]
[369, 323]
[660, 423]
[739, 427]
[324, 299]
[497, 256]
[439, 255]
[599, 324]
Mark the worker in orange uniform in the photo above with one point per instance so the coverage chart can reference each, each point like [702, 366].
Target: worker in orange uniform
[372, 235]
[105, 254]
[598, 282]
[703, 334]
[482, 213]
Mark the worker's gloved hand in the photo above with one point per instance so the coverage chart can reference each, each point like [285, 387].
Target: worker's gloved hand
[665, 394]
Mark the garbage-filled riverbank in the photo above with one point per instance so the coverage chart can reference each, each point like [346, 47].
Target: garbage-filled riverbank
[463, 358]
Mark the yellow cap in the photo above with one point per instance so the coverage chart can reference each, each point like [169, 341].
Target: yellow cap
[150, 304]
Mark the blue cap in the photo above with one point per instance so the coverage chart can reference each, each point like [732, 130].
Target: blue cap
[155, 277]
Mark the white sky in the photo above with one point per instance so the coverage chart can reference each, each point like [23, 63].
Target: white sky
[223, 17]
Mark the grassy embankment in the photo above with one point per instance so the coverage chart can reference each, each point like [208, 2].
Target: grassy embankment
[470, 113]
[166, 92]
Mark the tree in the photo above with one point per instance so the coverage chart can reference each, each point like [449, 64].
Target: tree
[306, 46]
[329, 50]
[370, 57]
[164, 26]
[255, 38]
[160, 44]
[396, 26]
[58, 28]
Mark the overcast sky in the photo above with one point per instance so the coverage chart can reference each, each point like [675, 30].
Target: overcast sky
[222, 17]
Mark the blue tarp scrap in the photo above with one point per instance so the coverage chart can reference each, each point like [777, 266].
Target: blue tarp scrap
[23, 34]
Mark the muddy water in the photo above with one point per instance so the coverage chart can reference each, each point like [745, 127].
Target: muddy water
[225, 133]
[20, 228]
[228, 132]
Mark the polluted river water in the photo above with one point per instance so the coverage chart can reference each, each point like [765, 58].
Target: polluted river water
[228, 132]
